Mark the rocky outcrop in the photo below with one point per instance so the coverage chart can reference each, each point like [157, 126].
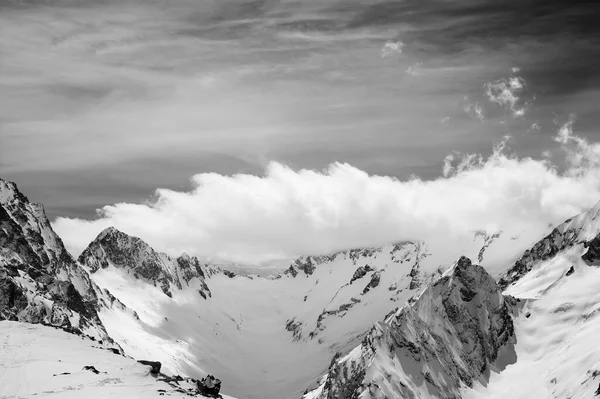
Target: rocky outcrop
[154, 366]
[373, 283]
[209, 386]
[360, 272]
[443, 341]
[39, 280]
[295, 327]
[135, 257]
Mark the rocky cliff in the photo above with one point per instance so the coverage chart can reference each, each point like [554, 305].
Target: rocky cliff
[444, 340]
[39, 280]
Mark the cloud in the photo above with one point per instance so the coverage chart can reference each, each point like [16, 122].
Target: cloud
[474, 110]
[506, 92]
[289, 212]
[391, 47]
[414, 69]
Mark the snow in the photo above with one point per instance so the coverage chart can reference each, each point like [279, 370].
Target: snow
[33, 359]
[557, 334]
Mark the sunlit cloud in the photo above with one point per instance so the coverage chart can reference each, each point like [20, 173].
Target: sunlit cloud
[288, 212]
[506, 93]
[391, 47]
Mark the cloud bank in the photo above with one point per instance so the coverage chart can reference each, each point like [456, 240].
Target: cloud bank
[286, 212]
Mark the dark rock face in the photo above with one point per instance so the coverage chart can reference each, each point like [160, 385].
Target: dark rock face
[573, 231]
[209, 386]
[593, 251]
[456, 327]
[360, 272]
[295, 327]
[39, 281]
[12, 299]
[91, 368]
[154, 366]
[375, 278]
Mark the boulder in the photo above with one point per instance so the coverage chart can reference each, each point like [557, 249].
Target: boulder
[209, 386]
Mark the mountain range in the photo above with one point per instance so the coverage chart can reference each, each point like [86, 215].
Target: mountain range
[493, 315]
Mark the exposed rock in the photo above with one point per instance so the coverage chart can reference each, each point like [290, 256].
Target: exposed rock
[134, 256]
[154, 366]
[444, 341]
[375, 278]
[91, 368]
[360, 272]
[209, 386]
[39, 281]
[295, 327]
[582, 229]
[229, 274]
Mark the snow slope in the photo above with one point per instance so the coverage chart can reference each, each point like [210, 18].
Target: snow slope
[557, 333]
[40, 361]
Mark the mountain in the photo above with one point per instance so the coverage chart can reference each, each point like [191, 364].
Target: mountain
[65, 341]
[531, 334]
[39, 280]
[448, 337]
[252, 330]
[113, 248]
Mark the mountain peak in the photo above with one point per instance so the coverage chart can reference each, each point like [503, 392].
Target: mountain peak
[449, 335]
[39, 280]
[133, 255]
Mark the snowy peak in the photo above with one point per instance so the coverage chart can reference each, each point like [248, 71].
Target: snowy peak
[39, 280]
[444, 340]
[134, 256]
[39, 246]
[581, 229]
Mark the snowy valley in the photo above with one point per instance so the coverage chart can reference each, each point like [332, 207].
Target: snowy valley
[474, 317]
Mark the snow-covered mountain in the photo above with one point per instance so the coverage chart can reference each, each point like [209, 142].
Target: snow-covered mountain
[402, 320]
[39, 280]
[251, 330]
[40, 283]
[445, 339]
[462, 337]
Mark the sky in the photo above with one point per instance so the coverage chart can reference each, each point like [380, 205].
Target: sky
[262, 121]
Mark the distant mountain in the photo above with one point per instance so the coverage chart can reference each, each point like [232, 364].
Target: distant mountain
[134, 256]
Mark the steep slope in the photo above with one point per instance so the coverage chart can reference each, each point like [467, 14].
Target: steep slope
[39, 361]
[581, 229]
[557, 329]
[39, 281]
[544, 340]
[446, 338]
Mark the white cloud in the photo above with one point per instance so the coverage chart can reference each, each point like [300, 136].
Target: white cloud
[506, 92]
[391, 47]
[286, 212]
